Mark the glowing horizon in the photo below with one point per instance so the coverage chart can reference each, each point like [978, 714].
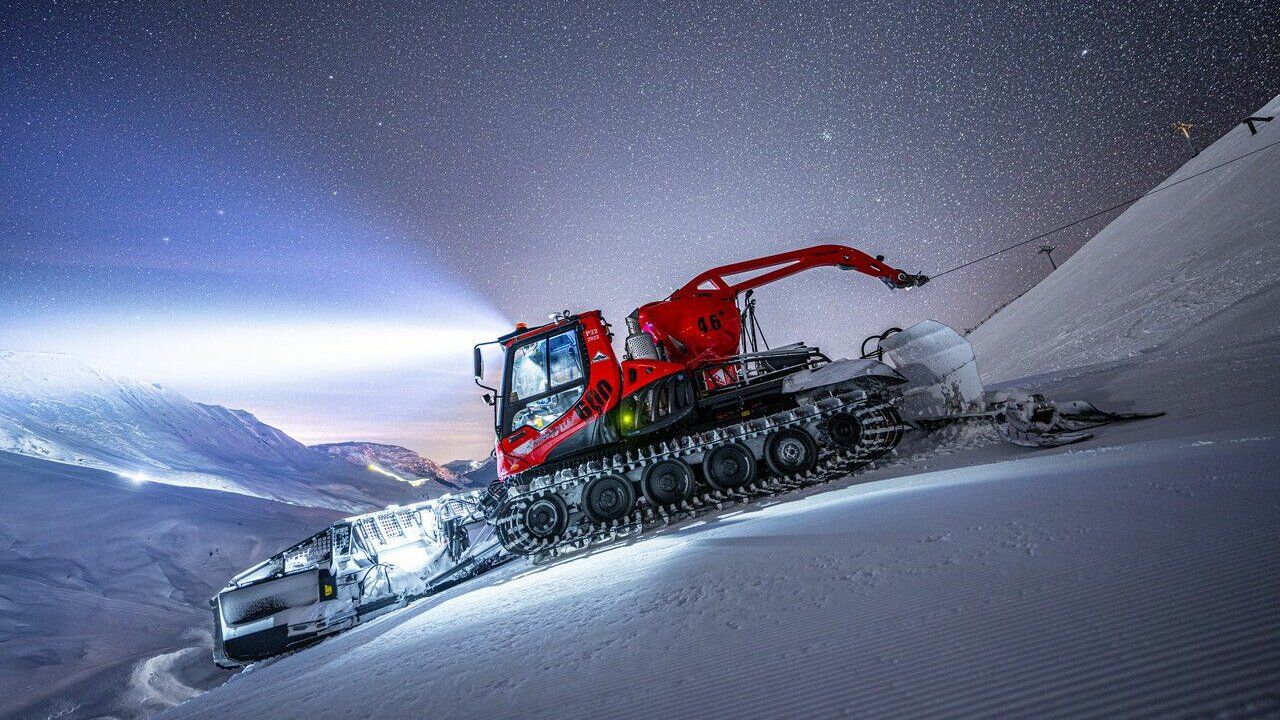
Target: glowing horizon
[233, 352]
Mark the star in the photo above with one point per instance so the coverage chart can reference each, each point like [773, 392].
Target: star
[520, 160]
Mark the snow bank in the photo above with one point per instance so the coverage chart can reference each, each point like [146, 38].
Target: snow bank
[1166, 265]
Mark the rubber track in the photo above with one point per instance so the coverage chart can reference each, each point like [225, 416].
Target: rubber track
[882, 429]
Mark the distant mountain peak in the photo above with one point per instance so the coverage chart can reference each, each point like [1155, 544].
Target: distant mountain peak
[397, 462]
[56, 407]
[475, 473]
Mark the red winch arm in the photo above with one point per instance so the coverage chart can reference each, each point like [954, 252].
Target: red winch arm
[794, 261]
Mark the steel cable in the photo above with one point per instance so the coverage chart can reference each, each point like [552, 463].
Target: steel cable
[1113, 208]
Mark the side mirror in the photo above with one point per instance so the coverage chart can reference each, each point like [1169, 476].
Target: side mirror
[478, 362]
[488, 399]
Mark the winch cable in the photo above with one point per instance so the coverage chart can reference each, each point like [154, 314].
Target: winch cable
[1113, 208]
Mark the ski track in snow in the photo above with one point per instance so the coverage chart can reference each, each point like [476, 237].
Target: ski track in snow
[103, 593]
[155, 682]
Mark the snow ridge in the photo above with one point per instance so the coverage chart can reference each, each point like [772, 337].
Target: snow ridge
[55, 407]
[1169, 262]
[408, 466]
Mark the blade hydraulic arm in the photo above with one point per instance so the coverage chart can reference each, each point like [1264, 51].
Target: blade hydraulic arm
[701, 324]
[781, 265]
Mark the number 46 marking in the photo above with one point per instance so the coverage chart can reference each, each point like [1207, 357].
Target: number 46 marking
[709, 323]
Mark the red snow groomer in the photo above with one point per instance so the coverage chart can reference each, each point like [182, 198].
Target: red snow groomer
[589, 448]
[696, 410]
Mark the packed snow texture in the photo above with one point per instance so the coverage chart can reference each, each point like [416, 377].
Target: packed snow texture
[1134, 574]
[57, 408]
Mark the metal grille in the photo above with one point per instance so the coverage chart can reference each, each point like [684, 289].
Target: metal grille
[391, 528]
[390, 524]
[310, 553]
[369, 529]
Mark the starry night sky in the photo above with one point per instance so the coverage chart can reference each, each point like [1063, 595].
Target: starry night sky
[312, 210]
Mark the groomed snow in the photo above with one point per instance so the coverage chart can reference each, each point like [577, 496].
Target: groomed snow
[1125, 576]
[1134, 574]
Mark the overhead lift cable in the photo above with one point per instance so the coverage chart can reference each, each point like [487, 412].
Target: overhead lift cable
[1113, 208]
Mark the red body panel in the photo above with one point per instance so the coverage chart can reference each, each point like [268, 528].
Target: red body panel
[698, 325]
[695, 329]
[638, 373]
[525, 447]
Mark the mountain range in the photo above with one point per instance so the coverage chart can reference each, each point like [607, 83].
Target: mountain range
[55, 407]
[408, 466]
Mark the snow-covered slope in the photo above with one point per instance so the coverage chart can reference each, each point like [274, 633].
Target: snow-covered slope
[424, 473]
[1132, 575]
[479, 473]
[57, 408]
[1097, 583]
[104, 585]
[1170, 261]
[461, 467]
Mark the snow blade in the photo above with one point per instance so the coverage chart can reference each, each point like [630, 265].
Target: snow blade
[939, 365]
[1034, 439]
[1031, 420]
[1085, 411]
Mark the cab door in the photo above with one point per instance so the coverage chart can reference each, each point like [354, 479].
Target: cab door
[559, 384]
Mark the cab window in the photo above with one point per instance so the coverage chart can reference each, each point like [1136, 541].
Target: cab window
[529, 370]
[566, 361]
[546, 380]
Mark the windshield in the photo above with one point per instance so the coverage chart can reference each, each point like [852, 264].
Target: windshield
[529, 371]
[546, 380]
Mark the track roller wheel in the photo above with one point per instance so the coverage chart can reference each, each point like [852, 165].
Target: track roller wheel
[667, 482]
[844, 430]
[608, 498]
[791, 451]
[546, 517]
[729, 467]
